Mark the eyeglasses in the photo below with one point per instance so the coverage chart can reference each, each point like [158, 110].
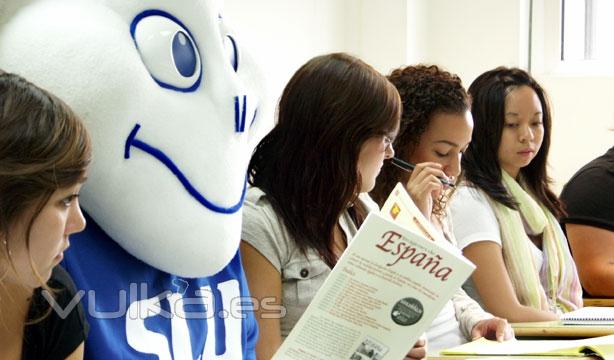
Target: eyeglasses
[388, 142]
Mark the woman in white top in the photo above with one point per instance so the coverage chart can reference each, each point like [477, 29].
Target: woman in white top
[505, 215]
[336, 121]
[435, 130]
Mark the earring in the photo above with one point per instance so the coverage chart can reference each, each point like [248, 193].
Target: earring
[6, 246]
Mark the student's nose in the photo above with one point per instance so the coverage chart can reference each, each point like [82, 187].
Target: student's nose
[453, 168]
[76, 220]
[526, 134]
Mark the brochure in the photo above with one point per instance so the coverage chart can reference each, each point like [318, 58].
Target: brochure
[400, 207]
[384, 292]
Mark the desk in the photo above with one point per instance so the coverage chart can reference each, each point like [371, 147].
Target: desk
[598, 302]
[554, 329]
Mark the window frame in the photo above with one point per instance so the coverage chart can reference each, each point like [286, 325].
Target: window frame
[546, 45]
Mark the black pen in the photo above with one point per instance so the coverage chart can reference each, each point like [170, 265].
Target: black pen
[409, 167]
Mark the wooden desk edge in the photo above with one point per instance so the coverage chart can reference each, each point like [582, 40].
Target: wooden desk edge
[598, 302]
[556, 329]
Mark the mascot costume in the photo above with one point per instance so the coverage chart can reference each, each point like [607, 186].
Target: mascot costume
[175, 106]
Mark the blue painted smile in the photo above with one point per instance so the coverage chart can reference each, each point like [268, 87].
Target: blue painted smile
[158, 154]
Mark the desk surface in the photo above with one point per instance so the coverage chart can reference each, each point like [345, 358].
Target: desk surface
[598, 302]
[556, 329]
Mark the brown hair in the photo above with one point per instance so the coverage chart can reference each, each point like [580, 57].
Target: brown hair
[425, 90]
[307, 165]
[43, 147]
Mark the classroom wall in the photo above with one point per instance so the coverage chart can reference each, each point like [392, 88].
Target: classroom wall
[465, 36]
[284, 34]
[470, 36]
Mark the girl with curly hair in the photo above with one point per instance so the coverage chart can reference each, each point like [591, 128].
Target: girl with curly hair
[435, 130]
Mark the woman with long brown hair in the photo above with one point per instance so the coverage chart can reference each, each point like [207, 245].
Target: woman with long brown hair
[336, 122]
[44, 154]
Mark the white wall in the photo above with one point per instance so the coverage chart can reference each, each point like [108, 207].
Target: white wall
[583, 113]
[470, 36]
[465, 36]
[379, 33]
[284, 34]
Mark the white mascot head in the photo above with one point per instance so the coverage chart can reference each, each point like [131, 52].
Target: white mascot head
[174, 106]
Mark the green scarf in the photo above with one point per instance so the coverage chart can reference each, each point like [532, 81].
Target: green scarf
[556, 284]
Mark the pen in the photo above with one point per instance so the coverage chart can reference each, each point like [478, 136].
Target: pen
[409, 167]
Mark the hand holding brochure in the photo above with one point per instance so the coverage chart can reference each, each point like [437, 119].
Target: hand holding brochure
[381, 296]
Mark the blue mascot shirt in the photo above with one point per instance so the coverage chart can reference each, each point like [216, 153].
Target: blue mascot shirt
[137, 311]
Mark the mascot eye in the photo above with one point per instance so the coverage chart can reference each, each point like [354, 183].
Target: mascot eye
[168, 51]
[231, 51]
[184, 54]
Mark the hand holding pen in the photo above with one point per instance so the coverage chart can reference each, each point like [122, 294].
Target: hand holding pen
[409, 167]
[426, 183]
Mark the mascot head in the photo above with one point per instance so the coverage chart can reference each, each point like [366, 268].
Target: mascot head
[174, 105]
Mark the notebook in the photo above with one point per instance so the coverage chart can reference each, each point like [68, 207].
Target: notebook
[590, 315]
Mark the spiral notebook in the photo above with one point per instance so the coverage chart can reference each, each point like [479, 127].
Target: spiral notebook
[590, 315]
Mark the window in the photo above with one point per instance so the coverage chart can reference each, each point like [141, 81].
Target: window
[587, 30]
[573, 37]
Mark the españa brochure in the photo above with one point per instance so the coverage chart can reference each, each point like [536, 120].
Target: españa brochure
[602, 347]
[383, 293]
